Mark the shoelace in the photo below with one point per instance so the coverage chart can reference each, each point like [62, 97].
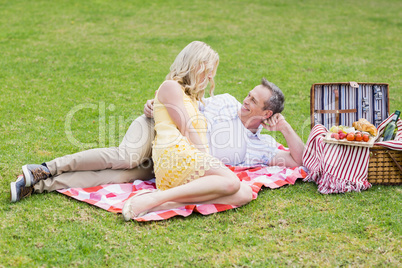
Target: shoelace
[39, 173]
[26, 191]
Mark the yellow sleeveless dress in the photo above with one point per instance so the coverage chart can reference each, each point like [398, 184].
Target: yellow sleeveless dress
[176, 160]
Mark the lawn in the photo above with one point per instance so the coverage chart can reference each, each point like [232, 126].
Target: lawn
[101, 60]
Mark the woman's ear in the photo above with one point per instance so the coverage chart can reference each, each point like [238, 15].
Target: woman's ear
[210, 75]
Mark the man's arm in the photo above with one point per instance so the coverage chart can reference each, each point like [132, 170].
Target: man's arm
[293, 157]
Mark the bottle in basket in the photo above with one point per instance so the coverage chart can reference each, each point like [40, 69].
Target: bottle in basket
[389, 130]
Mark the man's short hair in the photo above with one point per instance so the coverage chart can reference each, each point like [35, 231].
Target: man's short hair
[276, 102]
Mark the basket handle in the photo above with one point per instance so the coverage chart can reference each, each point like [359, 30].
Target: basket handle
[354, 84]
[396, 162]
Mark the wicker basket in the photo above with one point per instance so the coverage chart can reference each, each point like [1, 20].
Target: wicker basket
[385, 166]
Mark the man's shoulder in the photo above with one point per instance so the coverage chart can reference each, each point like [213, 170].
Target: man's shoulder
[219, 106]
[225, 98]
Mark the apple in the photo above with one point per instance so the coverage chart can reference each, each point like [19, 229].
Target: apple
[342, 135]
[336, 136]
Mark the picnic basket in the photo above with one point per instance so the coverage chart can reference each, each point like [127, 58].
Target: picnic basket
[343, 103]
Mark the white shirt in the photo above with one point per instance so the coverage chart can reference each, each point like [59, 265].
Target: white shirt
[229, 140]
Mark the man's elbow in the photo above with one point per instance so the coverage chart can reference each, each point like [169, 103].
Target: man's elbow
[294, 162]
[298, 161]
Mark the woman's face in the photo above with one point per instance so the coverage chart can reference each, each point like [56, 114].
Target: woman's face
[208, 74]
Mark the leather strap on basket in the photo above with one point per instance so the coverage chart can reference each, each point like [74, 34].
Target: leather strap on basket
[396, 162]
[336, 112]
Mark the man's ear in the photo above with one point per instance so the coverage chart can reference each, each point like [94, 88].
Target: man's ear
[268, 114]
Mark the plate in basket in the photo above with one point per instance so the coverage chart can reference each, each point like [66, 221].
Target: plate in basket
[370, 143]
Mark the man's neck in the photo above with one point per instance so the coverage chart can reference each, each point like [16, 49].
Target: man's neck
[251, 125]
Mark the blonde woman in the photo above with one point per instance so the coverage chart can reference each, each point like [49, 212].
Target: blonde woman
[185, 171]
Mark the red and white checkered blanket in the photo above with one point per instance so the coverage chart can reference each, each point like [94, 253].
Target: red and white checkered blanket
[111, 197]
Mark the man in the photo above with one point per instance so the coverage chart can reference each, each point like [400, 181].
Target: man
[234, 132]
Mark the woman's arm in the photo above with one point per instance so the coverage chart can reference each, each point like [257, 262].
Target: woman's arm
[171, 96]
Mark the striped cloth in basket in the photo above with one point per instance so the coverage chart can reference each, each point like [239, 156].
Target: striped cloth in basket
[341, 168]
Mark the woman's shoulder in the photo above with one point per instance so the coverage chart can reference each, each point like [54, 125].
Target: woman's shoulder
[169, 89]
[171, 83]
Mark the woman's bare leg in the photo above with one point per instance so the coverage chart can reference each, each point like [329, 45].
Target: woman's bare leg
[217, 184]
[240, 198]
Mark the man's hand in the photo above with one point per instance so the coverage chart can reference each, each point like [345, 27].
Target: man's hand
[276, 122]
[149, 108]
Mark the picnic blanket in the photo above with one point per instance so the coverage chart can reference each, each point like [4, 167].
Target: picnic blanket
[111, 197]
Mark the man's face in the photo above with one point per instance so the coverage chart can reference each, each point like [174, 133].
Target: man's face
[253, 104]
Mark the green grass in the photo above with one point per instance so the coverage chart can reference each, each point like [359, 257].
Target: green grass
[56, 55]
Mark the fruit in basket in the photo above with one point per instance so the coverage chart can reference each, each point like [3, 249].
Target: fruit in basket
[366, 137]
[364, 125]
[347, 130]
[342, 131]
[350, 136]
[348, 133]
[334, 129]
[340, 128]
[358, 136]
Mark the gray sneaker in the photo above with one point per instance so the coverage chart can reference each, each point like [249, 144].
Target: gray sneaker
[18, 190]
[34, 173]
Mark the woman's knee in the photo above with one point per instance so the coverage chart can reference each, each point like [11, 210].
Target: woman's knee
[245, 195]
[229, 182]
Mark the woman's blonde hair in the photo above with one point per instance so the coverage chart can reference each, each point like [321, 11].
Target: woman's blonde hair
[195, 59]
